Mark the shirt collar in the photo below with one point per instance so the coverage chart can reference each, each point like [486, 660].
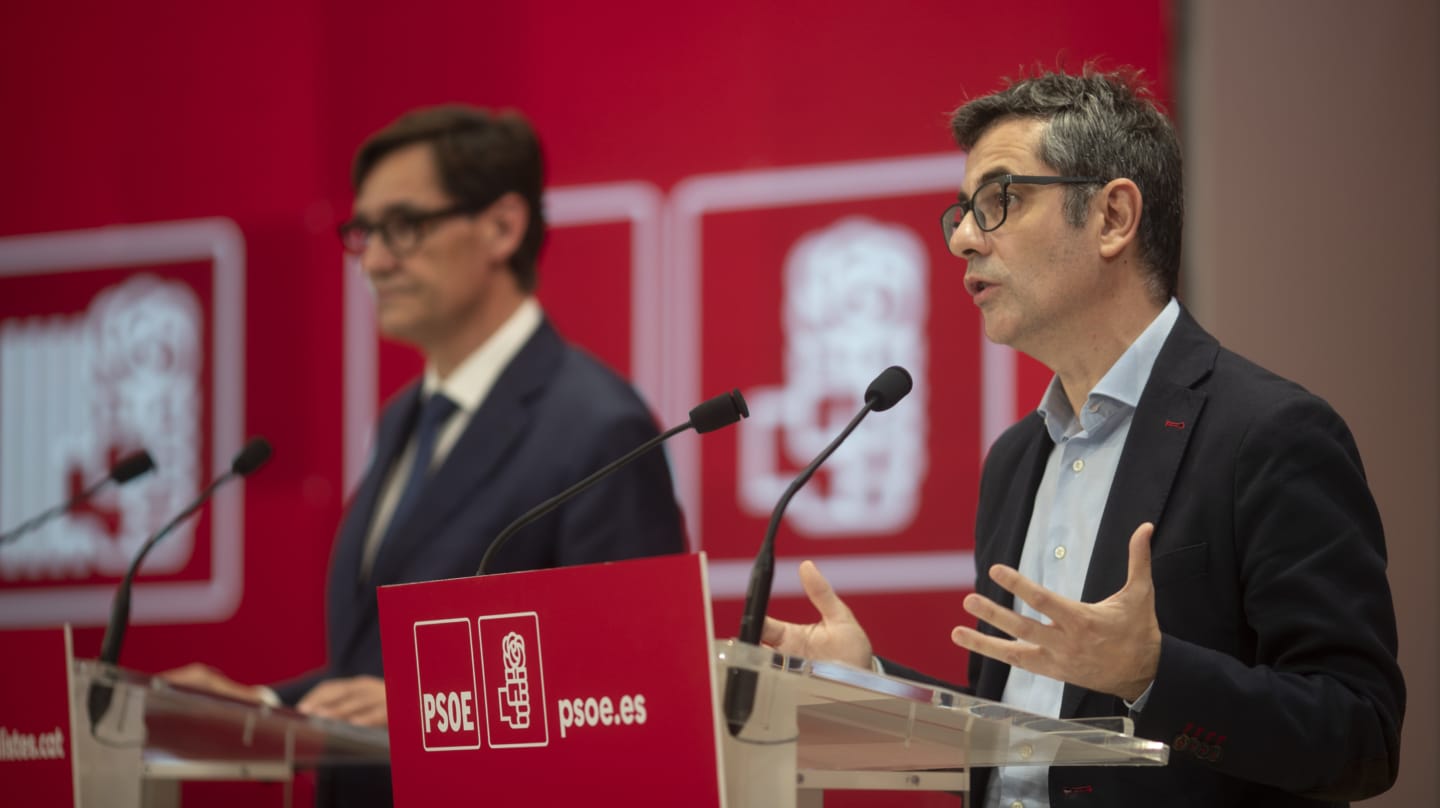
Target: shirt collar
[1121, 386]
[476, 374]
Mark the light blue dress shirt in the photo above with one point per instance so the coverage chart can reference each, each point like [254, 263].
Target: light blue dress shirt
[1068, 507]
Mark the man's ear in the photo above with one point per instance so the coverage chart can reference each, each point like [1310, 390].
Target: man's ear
[1119, 206]
[509, 216]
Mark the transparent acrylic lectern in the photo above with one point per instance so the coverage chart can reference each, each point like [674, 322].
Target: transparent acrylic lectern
[817, 726]
[149, 736]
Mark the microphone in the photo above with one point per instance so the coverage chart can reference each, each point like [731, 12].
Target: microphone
[716, 413]
[250, 458]
[884, 392]
[126, 469]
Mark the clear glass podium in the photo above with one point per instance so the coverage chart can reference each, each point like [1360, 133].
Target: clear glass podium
[138, 737]
[818, 726]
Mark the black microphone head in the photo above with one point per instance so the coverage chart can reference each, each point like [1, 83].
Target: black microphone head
[252, 457]
[719, 412]
[132, 466]
[889, 387]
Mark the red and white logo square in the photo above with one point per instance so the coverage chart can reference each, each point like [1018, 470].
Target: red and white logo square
[111, 340]
[514, 679]
[445, 668]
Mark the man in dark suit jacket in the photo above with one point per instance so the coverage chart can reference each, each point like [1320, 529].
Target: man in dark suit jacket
[447, 228]
[554, 416]
[1176, 533]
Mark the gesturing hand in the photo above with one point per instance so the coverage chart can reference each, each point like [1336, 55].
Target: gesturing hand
[1110, 647]
[838, 636]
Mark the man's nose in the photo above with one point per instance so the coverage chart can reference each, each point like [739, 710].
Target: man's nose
[968, 239]
[377, 257]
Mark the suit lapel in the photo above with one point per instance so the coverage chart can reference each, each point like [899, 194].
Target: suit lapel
[1008, 537]
[1015, 522]
[1168, 414]
[487, 441]
[349, 598]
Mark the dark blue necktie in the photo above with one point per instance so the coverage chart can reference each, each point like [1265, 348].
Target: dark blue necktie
[436, 410]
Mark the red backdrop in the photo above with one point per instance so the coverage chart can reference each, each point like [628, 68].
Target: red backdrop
[125, 115]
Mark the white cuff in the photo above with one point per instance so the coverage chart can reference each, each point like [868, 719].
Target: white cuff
[1139, 704]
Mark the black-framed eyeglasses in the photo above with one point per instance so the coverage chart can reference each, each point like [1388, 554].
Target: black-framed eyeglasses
[991, 202]
[401, 231]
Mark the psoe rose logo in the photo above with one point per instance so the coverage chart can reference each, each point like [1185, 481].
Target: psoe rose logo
[113, 340]
[514, 679]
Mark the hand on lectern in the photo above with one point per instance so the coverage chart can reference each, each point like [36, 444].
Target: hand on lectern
[204, 677]
[356, 699]
[838, 636]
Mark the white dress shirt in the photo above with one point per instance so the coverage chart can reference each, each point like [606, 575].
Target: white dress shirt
[467, 386]
[1063, 526]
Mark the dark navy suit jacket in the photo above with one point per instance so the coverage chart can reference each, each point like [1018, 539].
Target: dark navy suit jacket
[554, 416]
[1278, 683]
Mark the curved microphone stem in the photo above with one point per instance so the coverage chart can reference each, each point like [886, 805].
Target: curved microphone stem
[757, 596]
[564, 496]
[120, 610]
[125, 470]
[740, 684]
[98, 699]
[254, 454]
[40, 519]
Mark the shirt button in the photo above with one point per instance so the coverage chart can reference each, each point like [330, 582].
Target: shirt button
[1060, 551]
[1078, 466]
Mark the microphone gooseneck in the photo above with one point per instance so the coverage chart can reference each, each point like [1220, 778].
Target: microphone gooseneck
[126, 469]
[893, 384]
[715, 413]
[250, 458]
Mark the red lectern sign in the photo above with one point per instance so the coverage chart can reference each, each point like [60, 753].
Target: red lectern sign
[589, 685]
[36, 748]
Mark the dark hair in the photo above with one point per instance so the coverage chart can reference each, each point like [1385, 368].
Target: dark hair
[1101, 125]
[480, 157]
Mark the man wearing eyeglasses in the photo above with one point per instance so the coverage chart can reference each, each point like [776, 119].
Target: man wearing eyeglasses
[447, 227]
[1175, 534]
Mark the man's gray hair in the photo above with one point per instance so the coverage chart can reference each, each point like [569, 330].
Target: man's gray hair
[1101, 125]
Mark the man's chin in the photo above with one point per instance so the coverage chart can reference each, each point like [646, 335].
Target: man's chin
[399, 330]
[990, 326]
[998, 331]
